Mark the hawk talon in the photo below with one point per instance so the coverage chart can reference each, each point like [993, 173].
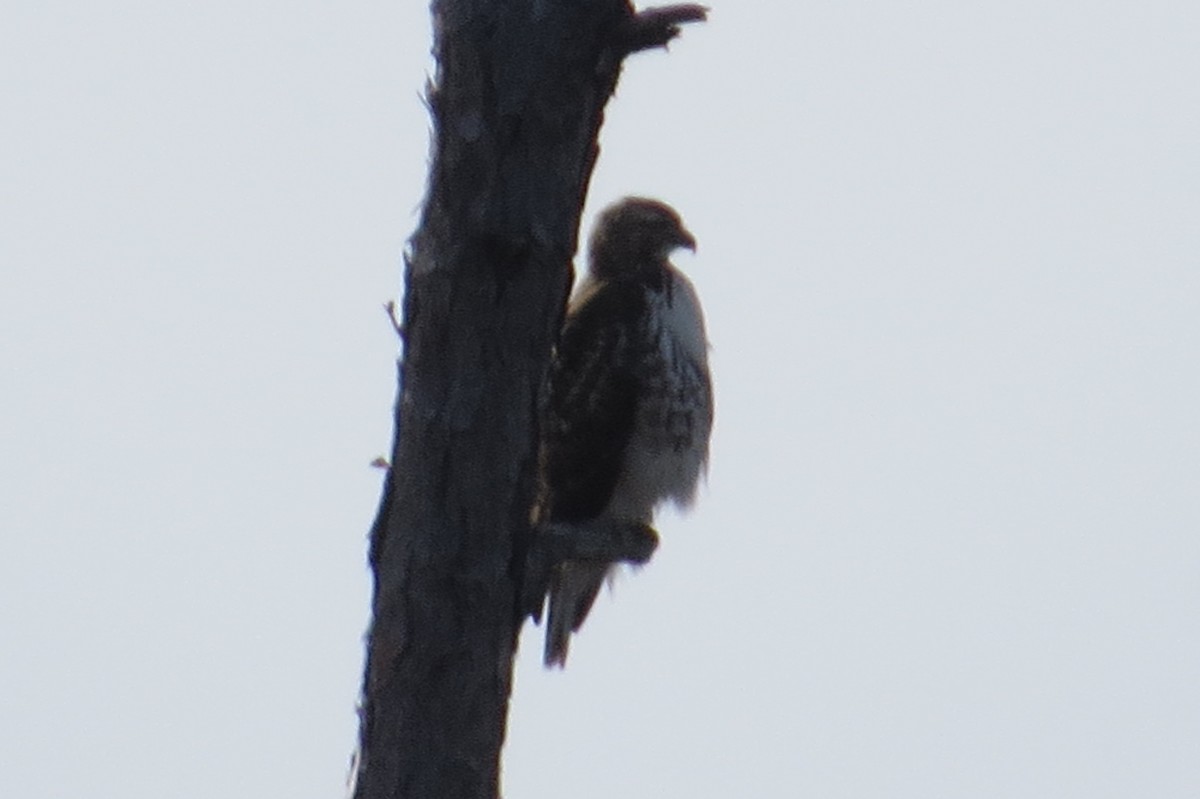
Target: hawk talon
[595, 541]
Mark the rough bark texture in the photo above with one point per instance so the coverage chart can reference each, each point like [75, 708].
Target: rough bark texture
[517, 105]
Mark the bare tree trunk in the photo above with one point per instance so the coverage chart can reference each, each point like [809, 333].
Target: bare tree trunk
[517, 106]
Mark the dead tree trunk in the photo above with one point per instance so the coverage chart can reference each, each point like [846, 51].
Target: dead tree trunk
[517, 105]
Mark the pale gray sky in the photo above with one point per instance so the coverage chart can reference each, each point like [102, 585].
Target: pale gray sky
[949, 543]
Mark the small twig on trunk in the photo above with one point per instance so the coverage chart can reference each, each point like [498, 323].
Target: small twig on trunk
[655, 27]
[389, 307]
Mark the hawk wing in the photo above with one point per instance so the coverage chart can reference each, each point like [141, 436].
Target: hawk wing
[593, 400]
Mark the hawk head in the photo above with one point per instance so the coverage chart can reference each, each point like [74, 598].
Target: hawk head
[634, 234]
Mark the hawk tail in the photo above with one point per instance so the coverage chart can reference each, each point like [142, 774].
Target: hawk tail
[573, 588]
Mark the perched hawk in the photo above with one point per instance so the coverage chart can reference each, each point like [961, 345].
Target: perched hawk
[630, 408]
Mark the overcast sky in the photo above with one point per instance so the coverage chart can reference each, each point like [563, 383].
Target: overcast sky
[949, 543]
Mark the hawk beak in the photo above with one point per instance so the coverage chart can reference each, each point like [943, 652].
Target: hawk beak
[687, 240]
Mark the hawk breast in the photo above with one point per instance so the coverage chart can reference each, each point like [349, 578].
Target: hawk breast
[668, 448]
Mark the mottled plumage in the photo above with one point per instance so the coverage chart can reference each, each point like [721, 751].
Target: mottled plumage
[629, 410]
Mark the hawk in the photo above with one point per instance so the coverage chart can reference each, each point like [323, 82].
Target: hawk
[629, 407]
